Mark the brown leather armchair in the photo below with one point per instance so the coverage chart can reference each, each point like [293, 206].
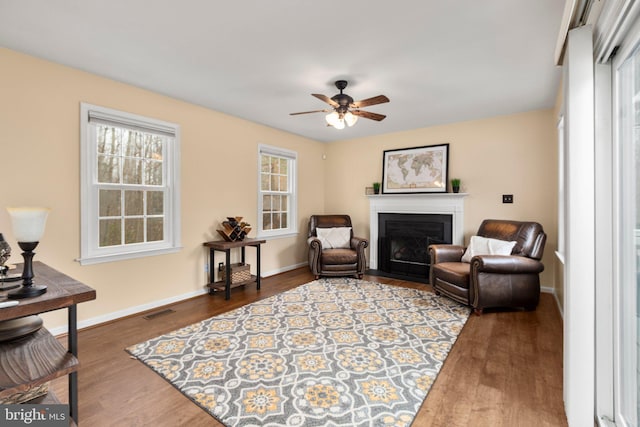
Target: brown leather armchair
[492, 280]
[344, 261]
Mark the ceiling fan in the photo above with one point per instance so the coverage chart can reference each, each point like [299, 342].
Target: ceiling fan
[345, 109]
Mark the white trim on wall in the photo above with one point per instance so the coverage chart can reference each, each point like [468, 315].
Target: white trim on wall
[603, 241]
[579, 272]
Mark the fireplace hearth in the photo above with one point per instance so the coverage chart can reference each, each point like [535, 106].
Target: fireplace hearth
[403, 240]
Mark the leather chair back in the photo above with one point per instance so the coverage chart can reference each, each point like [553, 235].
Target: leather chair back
[328, 221]
[530, 236]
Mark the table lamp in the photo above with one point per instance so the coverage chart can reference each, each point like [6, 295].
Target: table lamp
[28, 227]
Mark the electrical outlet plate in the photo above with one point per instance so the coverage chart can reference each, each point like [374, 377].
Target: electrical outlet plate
[507, 198]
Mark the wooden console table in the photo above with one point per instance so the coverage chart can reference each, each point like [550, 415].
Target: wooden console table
[38, 358]
[224, 246]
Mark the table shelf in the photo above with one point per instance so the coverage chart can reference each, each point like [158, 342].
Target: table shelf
[32, 361]
[221, 285]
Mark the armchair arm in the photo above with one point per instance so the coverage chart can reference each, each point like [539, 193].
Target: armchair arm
[505, 264]
[314, 243]
[446, 253]
[358, 242]
[315, 250]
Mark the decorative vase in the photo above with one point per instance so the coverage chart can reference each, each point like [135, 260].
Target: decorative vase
[456, 188]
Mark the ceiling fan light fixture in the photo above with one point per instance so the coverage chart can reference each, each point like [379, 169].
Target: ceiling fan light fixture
[341, 116]
[335, 120]
[350, 118]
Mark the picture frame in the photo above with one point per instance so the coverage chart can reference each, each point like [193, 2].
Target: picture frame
[416, 170]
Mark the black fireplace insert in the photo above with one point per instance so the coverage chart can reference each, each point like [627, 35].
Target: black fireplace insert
[403, 240]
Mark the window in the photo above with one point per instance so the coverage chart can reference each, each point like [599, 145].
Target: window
[130, 199]
[277, 199]
[627, 281]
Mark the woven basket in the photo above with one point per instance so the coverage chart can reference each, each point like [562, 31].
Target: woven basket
[239, 273]
[24, 394]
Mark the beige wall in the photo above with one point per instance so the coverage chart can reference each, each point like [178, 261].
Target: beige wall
[39, 119]
[513, 154]
[40, 146]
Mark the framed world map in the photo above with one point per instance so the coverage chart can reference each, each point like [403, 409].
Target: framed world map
[416, 170]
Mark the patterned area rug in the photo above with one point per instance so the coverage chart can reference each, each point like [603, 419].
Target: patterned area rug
[333, 352]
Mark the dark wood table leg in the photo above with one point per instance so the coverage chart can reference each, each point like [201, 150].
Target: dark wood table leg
[72, 342]
[258, 266]
[227, 284]
[212, 263]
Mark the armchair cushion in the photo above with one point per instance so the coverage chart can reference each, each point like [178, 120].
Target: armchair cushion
[479, 245]
[453, 272]
[339, 256]
[334, 237]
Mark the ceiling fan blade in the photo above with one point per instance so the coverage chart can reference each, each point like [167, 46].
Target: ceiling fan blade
[308, 112]
[368, 115]
[326, 99]
[380, 99]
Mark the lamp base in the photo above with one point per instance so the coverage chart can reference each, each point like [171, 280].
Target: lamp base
[27, 292]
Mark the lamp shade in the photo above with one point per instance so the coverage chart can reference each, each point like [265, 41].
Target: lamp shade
[350, 118]
[28, 223]
[333, 118]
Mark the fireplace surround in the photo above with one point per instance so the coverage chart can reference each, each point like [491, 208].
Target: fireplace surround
[431, 205]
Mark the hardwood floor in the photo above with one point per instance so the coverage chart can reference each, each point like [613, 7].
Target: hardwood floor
[504, 370]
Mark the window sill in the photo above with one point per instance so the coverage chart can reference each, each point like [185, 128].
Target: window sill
[126, 255]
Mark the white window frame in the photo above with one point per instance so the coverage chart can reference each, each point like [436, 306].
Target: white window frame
[292, 158]
[91, 252]
[625, 399]
[616, 339]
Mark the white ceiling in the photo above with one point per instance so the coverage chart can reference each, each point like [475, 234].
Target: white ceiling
[438, 61]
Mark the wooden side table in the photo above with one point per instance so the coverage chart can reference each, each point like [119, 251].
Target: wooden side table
[224, 246]
[40, 353]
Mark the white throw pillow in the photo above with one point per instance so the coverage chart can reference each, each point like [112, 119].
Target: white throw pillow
[486, 246]
[334, 238]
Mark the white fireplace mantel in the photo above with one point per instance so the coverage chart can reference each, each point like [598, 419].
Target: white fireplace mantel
[425, 203]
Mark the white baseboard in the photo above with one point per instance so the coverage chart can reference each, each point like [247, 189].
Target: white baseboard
[154, 304]
[128, 311]
[552, 291]
[283, 269]
[555, 295]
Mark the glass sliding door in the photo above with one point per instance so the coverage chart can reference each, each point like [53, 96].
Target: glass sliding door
[627, 219]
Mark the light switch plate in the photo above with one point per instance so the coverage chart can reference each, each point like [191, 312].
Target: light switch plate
[507, 198]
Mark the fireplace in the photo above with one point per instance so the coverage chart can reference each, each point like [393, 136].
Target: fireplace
[403, 240]
[447, 204]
